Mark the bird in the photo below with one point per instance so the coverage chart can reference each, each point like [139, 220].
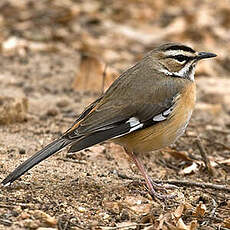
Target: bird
[145, 109]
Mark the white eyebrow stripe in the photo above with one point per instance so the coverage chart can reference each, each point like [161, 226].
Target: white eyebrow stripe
[178, 52]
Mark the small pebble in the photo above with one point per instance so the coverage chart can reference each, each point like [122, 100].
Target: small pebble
[22, 151]
[44, 228]
[81, 209]
[52, 112]
[62, 103]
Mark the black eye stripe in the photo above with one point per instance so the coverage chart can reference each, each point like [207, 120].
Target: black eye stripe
[181, 58]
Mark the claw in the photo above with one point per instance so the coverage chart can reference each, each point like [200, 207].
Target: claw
[151, 185]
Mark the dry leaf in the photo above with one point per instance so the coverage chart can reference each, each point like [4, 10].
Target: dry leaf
[200, 209]
[179, 154]
[137, 205]
[44, 218]
[193, 225]
[181, 225]
[113, 207]
[227, 223]
[190, 169]
[179, 211]
[162, 219]
[127, 225]
[13, 106]
[174, 220]
[227, 162]
[93, 75]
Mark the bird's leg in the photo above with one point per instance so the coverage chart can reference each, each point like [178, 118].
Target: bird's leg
[149, 183]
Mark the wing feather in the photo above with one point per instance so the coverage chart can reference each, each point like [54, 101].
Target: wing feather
[131, 103]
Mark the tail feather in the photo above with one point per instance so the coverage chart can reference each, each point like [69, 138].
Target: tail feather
[97, 137]
[77, 144]
[35, 159]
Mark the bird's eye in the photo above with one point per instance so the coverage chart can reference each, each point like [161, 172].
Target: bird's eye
[181, 58]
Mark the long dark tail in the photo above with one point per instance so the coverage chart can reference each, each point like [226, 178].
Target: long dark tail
[41, 155]
[77, 144]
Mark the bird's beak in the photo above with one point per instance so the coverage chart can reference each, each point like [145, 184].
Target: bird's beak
[203, 55]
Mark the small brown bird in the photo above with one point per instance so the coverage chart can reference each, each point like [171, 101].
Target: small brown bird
[147, 108]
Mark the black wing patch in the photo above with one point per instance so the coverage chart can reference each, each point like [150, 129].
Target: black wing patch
[99, 136]
[114, 131]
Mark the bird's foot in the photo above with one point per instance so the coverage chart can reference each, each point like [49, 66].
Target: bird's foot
[161, 196]
[162, 187]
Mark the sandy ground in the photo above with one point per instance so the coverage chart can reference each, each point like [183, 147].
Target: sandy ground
[99, 187]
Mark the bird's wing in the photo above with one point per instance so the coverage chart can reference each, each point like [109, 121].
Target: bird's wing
[125, 109]
[122, 126]
[127, 106]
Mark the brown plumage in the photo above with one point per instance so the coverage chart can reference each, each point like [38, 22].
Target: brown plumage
[164, 133]
[146, 108]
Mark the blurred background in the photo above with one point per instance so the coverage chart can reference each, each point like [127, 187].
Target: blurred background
[57, 56]
[85, 45]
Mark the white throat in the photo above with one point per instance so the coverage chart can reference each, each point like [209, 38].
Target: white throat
[183, 73]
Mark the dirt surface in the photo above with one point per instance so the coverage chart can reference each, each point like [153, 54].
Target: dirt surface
[42, 43]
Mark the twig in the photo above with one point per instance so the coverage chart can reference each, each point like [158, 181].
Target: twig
[6, 206]
[124, 226]
[197, 184]
[78, 226]
[217, 195]
[24, 205]
[220, 131]
[214, 208]
[5, 222]
[213, 142]
[203, 153]
[185, 183]
[103, 79]
[71, 160]
[60, 227]
[222, 144]
[204, 218]
[124, 176]
[212, 214]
